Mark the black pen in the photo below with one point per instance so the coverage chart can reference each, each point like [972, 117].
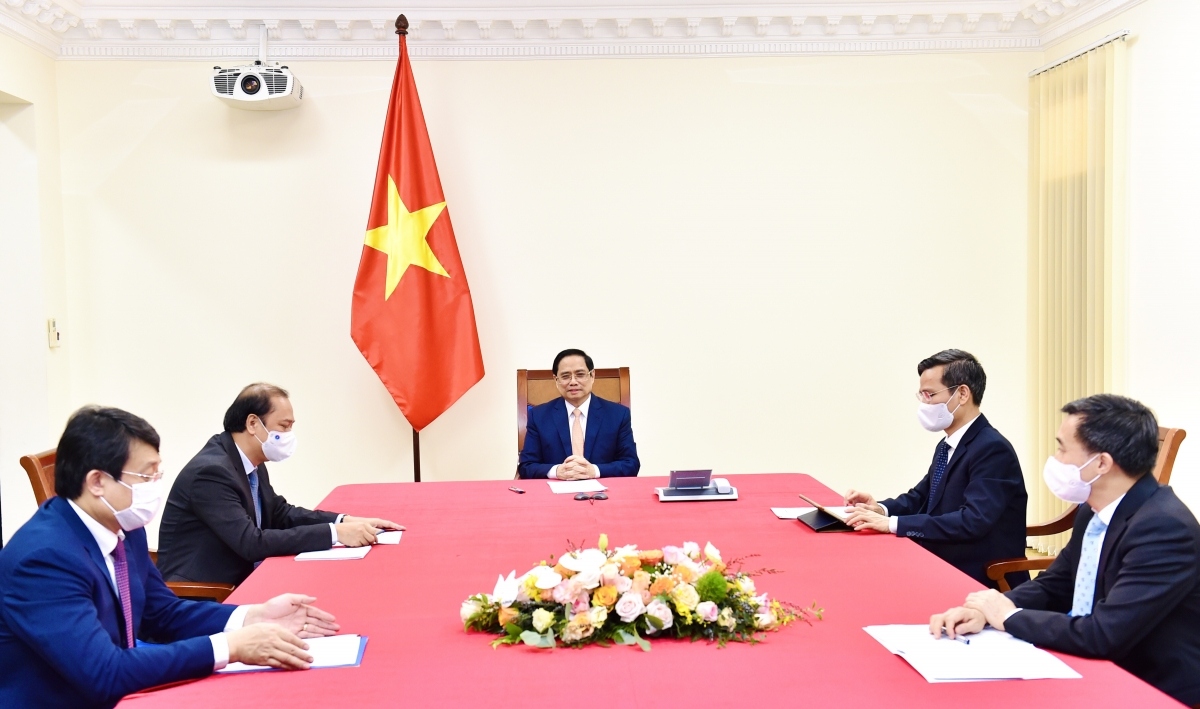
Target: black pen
[517, 490]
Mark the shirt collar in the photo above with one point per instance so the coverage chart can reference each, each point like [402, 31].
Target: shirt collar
[250, 467]
[105, 539]
[583, 408]
[954, 440]
[1109, 510]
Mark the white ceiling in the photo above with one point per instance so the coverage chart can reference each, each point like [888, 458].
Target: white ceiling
[328, 29]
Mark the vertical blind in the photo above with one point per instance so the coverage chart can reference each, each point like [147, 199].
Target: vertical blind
[1076, 233]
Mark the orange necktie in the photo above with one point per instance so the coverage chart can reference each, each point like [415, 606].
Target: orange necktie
[577, 434]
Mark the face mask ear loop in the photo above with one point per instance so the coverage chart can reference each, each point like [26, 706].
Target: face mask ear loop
[956, 408]
[264, 426]
[1098, 475]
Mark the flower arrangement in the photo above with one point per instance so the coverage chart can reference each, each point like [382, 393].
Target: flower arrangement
[606, 596]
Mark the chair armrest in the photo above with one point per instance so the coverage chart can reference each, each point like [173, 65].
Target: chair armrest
[1061, 523]
[196, 589]
[997, 569]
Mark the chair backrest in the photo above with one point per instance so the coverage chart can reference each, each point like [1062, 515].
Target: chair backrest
[40, 469]
[1168, 447]
[536, 386]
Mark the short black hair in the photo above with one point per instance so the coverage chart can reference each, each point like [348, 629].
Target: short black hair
[253, 399]
[961, 368]
[572, 353]
[1122, 427]
[97, 438]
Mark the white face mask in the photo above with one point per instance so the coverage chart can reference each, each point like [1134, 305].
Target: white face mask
[1066, 480]
[147, 497]
[935, 417]
[279, 446]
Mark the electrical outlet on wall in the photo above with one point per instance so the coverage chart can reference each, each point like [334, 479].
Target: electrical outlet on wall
[52, 333]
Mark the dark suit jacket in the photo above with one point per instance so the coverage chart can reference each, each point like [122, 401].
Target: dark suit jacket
[977, 514]
[62, 634]
[1146, 611]
[607, 442]
[208, 531]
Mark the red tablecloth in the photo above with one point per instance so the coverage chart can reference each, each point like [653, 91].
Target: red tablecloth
[462, 534]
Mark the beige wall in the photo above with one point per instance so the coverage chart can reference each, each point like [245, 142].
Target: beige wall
[770, 244]
[1164, 211]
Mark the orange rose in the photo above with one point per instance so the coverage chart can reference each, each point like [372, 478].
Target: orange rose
[507, 615]
[664, 584]
[547, 595]
[631, 565]
[641, 580]
[718, 567]
[651, 557]
[604, 596]
[563, 571]
[685, 574]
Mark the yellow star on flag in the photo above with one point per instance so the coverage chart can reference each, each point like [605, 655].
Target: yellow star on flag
[403, 239]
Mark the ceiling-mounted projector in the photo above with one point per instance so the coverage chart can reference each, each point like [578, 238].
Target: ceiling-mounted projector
[261, 86]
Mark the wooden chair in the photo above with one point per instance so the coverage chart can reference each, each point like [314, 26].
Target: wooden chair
[1168, 447]
[40, 469]
[536, 386]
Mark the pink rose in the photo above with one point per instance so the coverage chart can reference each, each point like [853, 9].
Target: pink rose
[673, 555]
[708, 611]
[581, 604]
[609, 574]
[623, 584]
[645, 596]
[630, 607]
[662, 611]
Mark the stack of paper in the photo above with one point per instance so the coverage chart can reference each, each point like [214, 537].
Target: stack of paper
[988, 655]
[338, 553]
[562, 487]
[333, 651]
[791, 512]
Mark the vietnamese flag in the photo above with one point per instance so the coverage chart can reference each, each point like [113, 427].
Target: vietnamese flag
[412, 316]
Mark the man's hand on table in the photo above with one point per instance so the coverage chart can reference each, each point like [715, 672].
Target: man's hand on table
[576, 467]
[295, 613]
[957, 621]
[268, 645]
[993, 605]
[858, 498]
[863, 519]
[379, 524]
[355, 534]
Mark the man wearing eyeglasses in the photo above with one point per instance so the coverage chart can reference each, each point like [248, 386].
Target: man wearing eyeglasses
[578, 436]
[969, 509]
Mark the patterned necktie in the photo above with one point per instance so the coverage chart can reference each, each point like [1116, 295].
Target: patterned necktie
[577, 434]
[1089, 563]
[121, 569]
[939, 469]
[257, 502]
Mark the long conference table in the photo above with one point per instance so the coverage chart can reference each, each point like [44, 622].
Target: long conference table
[461, 535]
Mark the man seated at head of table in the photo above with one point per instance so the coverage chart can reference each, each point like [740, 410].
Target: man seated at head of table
[223, 517]
[77, 587]
[969, 509]
[1127, 586]
[578, 435]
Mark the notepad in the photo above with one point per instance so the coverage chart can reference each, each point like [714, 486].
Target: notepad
[332, 651]
[392, 537]
[334, 554]
[563, 487]
[791, 512]
[989, 655]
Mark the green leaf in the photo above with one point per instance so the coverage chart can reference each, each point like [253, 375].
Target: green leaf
[643, 643]
[656, 622]
[623, 638]
[531, 638]
[515, 630]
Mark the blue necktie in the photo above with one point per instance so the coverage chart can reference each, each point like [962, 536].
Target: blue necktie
[257, 502]
[1089, 563]
[939, 469]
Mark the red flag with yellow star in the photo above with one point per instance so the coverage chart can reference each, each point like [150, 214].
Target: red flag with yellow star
[412, 315]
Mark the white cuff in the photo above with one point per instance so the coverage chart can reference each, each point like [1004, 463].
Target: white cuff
[1011, 613]
[237, 619]
[884, 508]
[220, 646]
[892, 522]
[553, 474]
[333, 532]
[340, 519]
[596, 470]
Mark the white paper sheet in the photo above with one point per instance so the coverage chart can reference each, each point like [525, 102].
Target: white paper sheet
[563, 487]
[989, 655]
[333, 651]
[392, 537]
[791, 512]
[335, 554]
[840, 512]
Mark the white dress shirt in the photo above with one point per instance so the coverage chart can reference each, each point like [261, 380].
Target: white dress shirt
[583, 419]
[952, 441]
[251, 467]
[1105, 516]
[107, 541]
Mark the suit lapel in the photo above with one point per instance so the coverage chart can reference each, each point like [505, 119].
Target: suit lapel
[1134, 499]
[559, 413]
[63, 508]
[240, 478]
[594, 419]
[960, 454]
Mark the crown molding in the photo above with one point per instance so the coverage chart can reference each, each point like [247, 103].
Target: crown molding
[318, 29]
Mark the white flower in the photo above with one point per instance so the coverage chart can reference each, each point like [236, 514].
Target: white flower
[584, 560]
[763, 621]
[711, 552]
[609, 573]
[506, 590]
[623, 584]
[588, 579]
[542, 619]
[707, 610]
[662, 611]
[547, 577]
[726, 619]
[629, 607]
[745, 584]
[685, 595]
[621, 552]
[763, 605]
[598, 614]
[469, 609]
[692, 549]
[673, 555]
